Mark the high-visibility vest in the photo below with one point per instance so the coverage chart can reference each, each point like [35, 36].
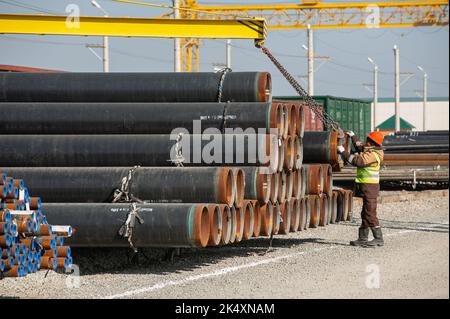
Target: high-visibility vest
[370, 174]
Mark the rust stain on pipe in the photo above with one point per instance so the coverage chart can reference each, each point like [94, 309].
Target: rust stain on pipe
[285, 222]
[266, 219]
[295, 214]
[215, 225]
[249, 219]
[226, 224]
[314, 202]
[240, 187]
[257, 218]
[201, 225]
[226, 186]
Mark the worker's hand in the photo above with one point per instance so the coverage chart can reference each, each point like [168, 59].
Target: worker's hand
[350, 133]
[340, 149]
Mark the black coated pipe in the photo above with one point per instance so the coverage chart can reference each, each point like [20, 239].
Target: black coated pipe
[316, 147]
[257, 184]
[134, 87]
[164, 225]
[154, 184]
[144, 150]
[134, 118]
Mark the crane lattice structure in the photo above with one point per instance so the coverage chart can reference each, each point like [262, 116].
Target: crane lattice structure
[317, 15]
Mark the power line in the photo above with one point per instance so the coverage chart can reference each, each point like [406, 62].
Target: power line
[29, 7]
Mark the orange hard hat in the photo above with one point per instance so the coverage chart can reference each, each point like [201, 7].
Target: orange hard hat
[377, 137]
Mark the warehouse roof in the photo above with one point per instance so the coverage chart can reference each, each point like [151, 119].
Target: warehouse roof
[390, 124]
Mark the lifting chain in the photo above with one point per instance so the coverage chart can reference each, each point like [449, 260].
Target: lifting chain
[309, 101]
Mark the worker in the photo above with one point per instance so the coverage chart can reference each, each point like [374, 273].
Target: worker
[368, 159]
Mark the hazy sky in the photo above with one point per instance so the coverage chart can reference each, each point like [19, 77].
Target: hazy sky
[343, 75]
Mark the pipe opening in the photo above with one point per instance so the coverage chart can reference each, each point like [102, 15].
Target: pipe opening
[215, 225]
[274, 188]
[240, 220]
[256, 219]
[282, 185]
[295, 215]
[292, 120]
[248, 220]
[276, 212]
[289, 153]
[226, 224]
[286, 120]
[266, 219]
[240, 187]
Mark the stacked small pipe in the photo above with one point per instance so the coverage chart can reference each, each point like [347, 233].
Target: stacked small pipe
[28, 242]
[110, 161]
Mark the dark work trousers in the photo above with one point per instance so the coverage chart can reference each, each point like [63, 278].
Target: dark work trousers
[369, 194]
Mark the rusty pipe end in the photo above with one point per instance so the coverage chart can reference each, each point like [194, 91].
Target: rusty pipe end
[226, 186]
[264, 87]
[276, 218]
[295, 214]
[286, 120]
[266, 219]
[276, 118]
[285, 221]
[239, 177]
[240, 220]
[282, 185]
[289, 184]
[300, 120]
[298, 152]
[249, 216]
[215, 225]
[274, 187]
[263, 181]
[289, 153]
[226, 224]
[256, 218]
[201, 228]
[234, 229]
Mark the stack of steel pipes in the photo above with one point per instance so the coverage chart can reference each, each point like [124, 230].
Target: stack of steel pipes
[27, 241]
[145, 160]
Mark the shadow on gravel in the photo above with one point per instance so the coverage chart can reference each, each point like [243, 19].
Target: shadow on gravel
[409, 225]
[163, 260]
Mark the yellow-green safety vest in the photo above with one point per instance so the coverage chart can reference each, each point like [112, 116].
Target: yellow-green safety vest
[370, 174]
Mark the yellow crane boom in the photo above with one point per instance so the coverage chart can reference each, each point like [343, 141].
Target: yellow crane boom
[321, 15]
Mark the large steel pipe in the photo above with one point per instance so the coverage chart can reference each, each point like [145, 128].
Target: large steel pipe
[98, 184]
[305, 213]
[164, 225]
[226, 224]
[266, 219]
[138, 118]
[215, 225]
[144, 150]
[314, 179]
[327, 179]
[134, 87]
[314, 203]
[285, 222]
[294, 205]
[324, 209]
[321, 147]
[257, 184]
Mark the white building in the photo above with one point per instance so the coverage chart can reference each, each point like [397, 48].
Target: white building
[411, 109]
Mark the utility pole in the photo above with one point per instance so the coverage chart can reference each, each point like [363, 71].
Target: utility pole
[229, 53]
[105, 39]
[425, 97]
[397, 87]
[375, 93]
[177, 42]
[310, 61]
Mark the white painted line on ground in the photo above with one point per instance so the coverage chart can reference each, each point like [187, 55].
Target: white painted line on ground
[217, 273]
[227, 270]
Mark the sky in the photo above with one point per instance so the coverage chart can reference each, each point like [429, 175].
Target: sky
[343, 75]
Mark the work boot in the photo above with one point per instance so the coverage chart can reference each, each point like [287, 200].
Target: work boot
[363, 238]
[377, 238]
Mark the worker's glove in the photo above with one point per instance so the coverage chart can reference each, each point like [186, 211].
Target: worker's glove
[350, 133]
[340, 149]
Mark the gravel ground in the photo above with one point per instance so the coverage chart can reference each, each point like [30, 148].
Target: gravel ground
[317, 263]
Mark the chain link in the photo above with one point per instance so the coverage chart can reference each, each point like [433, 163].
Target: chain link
[309, 101]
